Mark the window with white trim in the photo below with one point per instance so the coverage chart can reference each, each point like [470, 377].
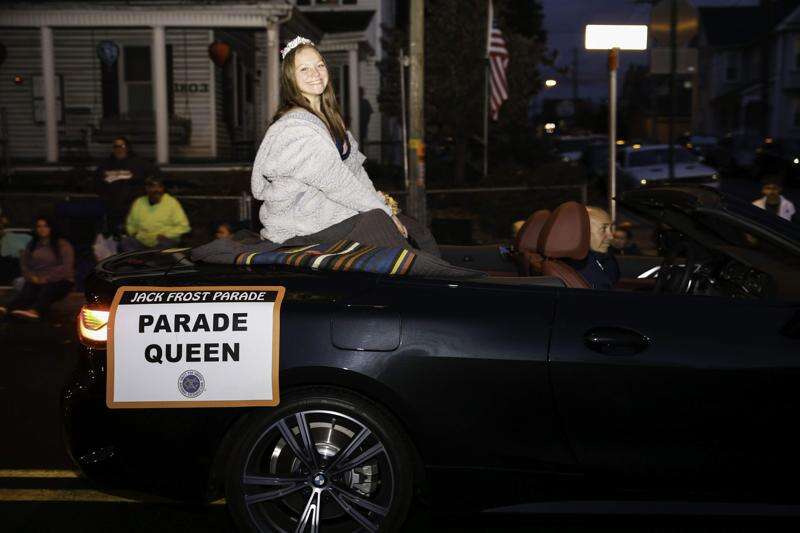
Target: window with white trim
[137, 81]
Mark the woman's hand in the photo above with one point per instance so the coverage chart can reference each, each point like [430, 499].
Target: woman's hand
[400, 227]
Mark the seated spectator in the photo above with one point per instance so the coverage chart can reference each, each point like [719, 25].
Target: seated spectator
[772, 199]
[515, 227]
[622, 241]
[49, 272]
[599, 268]
[119, 180]
[12, 244]
[155, 220]
[224, 230]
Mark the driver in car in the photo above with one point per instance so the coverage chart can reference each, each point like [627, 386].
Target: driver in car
[599, 268]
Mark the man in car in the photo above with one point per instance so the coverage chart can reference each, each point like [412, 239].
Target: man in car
[772, 199]
[599, 268]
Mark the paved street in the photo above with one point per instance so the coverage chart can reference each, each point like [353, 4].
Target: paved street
[39, 490]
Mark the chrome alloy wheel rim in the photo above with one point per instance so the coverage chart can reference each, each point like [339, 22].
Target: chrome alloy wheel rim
[317, 470]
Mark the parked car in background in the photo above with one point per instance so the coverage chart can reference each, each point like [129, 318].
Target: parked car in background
[778, 156]
[741, 149]
[571, 147]
[649, 164]
[708, 151]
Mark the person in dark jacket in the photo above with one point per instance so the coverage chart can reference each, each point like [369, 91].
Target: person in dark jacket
[622, 243]
[48, 266]
[119, 181]
[599, 268]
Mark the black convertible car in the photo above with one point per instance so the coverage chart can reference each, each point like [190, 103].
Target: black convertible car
[463, 394]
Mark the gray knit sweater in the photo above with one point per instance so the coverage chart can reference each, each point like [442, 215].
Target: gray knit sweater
[305, 185]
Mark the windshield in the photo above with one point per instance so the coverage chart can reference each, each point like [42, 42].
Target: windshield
[658, 156]
[786, 229]
[739, 236]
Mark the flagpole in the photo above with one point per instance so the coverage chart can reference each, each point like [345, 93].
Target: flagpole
[486, 93]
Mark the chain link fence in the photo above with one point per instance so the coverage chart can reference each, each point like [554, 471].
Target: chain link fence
[475, 215]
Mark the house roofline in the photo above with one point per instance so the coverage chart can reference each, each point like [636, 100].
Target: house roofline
[172, 14]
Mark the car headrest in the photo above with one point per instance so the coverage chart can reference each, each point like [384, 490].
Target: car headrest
[566, 232]
[527, 239]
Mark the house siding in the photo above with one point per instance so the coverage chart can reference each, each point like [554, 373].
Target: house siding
[190, 66]
[25, 137]
[77, 63]
[223, 135]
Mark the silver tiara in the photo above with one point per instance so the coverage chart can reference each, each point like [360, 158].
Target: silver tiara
[294, 43]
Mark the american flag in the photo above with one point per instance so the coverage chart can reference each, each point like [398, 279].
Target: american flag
[498, 63]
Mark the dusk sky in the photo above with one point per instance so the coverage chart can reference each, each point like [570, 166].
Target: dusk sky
[565, 21]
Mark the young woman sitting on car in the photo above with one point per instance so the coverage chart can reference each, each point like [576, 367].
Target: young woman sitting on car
[309, 171]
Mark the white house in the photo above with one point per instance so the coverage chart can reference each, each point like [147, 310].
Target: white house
[62, 103]
[353, 29]
[749, 82]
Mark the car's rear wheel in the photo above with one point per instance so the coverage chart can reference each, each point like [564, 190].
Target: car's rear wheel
[322, 461]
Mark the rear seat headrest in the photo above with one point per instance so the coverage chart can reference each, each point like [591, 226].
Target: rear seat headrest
[527, 239]
[566, 232]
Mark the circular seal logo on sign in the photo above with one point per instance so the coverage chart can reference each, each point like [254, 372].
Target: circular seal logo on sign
[191, 384]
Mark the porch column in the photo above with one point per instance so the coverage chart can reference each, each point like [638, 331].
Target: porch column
[273, 76]
[212, 101]
[49, 93]
[160, 105]
[354, 102]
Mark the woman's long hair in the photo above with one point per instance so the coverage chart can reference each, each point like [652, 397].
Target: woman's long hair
[55, 236]
[291, 97]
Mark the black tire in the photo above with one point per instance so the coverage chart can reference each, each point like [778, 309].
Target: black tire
[268, 478]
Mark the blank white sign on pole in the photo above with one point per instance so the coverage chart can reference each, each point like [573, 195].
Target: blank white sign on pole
[622, 36]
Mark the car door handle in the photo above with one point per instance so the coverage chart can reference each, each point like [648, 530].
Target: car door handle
[615, 341]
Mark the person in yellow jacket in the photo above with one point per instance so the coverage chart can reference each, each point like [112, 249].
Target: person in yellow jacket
[155, 220]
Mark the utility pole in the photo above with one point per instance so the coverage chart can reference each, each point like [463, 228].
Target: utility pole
[673, 85]
[613, 65]
[417, 206]
[575, 79]
[403, 60]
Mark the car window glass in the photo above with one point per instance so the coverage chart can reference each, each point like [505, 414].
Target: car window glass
[745, 239]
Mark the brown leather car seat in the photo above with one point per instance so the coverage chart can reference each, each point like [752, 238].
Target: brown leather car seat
[565, 235]
[529, 261]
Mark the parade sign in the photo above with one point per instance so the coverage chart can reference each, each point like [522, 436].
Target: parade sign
[194, 347]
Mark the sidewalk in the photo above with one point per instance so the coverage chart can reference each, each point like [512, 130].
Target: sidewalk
[62, 312]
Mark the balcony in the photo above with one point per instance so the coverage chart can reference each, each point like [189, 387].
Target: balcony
[142, 130]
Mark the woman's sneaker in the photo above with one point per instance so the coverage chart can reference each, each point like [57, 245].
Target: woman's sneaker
[29, 314]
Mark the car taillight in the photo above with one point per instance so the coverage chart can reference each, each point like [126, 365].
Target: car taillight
[93, 327]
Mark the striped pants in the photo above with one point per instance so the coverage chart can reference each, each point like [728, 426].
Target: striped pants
[375, 228]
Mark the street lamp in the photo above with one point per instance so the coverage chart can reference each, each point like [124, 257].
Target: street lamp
[614, 37]
[550, 83]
